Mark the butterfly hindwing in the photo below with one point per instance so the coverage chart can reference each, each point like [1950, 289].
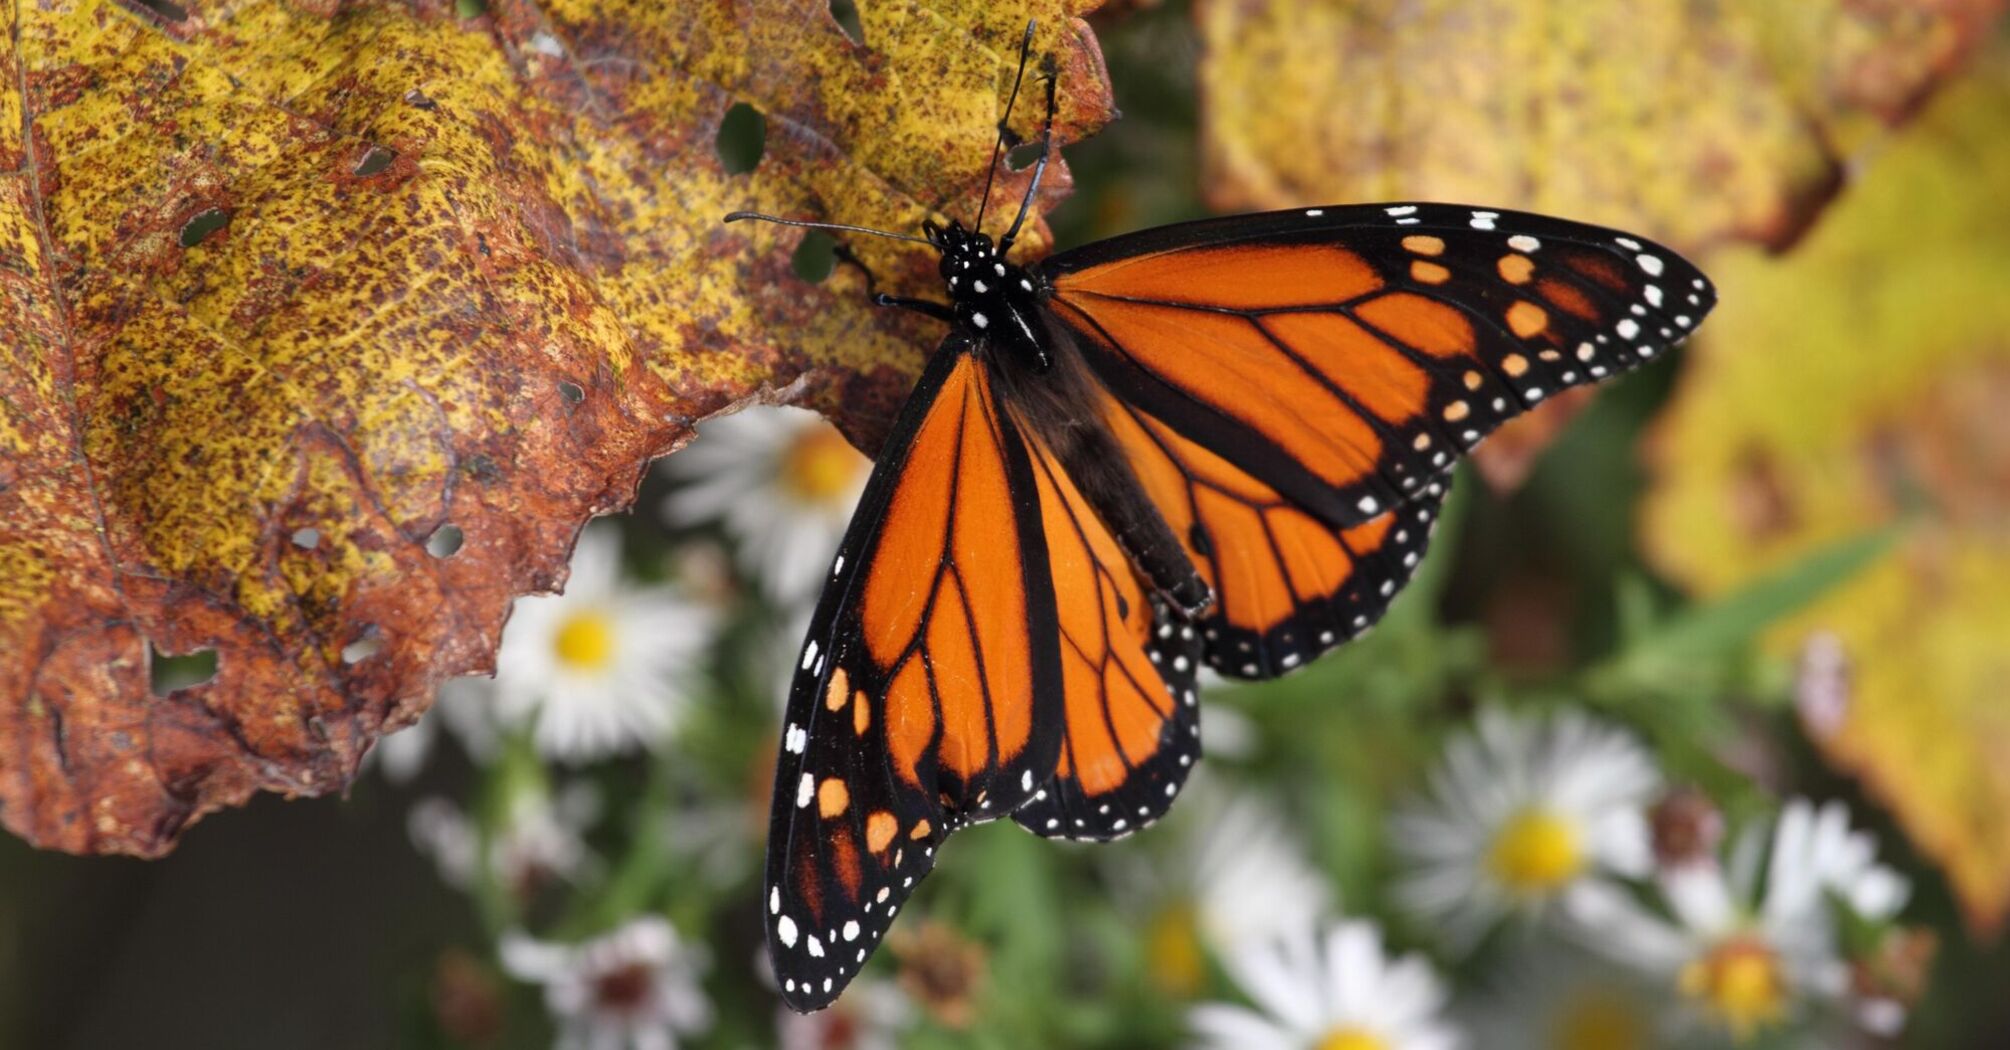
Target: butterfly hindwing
[1345, 357]
[926, 696]
[1287, 585]
[1128, 662]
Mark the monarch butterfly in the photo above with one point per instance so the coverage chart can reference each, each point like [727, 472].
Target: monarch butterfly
[1221, 442]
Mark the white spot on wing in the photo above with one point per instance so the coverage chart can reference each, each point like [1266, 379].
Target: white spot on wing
[810, 654]
[804, 790]
[785, 928]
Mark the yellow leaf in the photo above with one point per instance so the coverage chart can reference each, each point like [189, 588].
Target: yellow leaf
[1688, 122]
[286, 287]
[1862, 380]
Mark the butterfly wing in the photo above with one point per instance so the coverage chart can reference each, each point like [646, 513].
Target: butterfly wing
[1132, 720]
[1287, 585]
[1346, 356]
[1291, 379]
[927, 695]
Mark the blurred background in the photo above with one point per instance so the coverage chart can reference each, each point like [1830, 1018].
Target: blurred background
[1694, 730]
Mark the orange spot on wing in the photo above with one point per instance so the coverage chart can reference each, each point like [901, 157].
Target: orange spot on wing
[921, 830]
[1424, 244]
[879, 829]
[1424, 324]
[1515, 269]
[832, 797]
[809, 883]
[1242, 277]
[1600, 268]
[861, 713]
[1567, 298]
[1429, 272]
[837, 690]
[844, 860]
[1526, 319]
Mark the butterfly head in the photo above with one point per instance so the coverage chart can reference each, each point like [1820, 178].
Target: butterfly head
[991, 298]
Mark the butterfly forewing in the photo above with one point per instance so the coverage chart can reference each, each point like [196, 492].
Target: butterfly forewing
[926, 697]
[1345, 357]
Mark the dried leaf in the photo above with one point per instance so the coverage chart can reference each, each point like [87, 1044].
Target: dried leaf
[1689, 122]
[288, 288]
[1861, 381]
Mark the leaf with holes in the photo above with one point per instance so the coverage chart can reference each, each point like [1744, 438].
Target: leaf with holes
[1864, 380]
[324, 326]
[1693, 123]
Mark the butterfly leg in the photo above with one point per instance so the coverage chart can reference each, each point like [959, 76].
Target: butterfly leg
[1051, 74]
[939, 311]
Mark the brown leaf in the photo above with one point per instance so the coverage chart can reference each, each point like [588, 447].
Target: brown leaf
[287, 288]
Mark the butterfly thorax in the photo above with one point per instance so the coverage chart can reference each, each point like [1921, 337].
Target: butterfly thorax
[992, 299]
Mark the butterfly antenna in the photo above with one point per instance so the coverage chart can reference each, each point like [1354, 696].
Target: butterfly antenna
[1040, 166]
[1025, 49]
[779, 221]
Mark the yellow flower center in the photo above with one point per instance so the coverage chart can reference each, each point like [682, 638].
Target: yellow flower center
[1173, 952]
[820, 466]
[1351, 1038]
[1742, 982]
[585, 641]
[1600, 1021]
[1536, 852]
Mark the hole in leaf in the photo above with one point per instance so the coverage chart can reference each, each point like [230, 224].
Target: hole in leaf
[471, 8]
[845, 12]
[816, 257]
[168, 12]
[307, 539]
[743, 134]
[363, 648]
[572, 392]
[198, 229]
[165, 673]
[445, 541]
[375, 161]
[1021, 156]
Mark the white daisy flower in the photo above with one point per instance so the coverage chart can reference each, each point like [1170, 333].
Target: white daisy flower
[783, 482]
[1330, 990]
[1752, 945]
[871, 1015]
[1519, 810]
[541, 839]
[601, 668]
[636, 987]
[1241, 877]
